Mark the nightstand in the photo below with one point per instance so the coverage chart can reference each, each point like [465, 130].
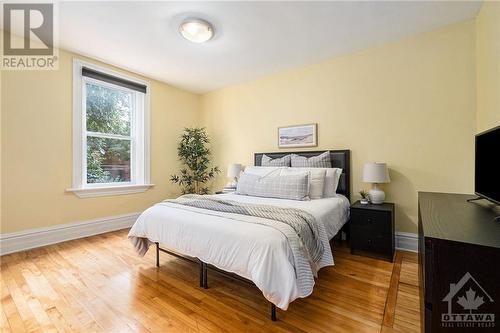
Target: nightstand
[372, 230]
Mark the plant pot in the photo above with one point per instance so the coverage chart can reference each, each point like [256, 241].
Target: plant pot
[364, 201]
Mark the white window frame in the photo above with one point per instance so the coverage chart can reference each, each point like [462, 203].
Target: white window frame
[139, 137]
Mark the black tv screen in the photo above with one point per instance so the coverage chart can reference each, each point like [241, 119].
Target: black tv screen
[487, 173]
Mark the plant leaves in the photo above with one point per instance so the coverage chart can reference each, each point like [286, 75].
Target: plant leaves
[194, 154]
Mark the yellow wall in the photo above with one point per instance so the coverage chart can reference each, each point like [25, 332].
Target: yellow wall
[488, 66]
[1, 155]
[36, 148]
[410, 104]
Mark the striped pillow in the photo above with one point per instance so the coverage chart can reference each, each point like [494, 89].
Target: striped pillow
[320, 161]
[293, 187]
[316, 179]
[283, 161]
[263, 171]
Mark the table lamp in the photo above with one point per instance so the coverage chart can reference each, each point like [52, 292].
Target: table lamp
[376, 173]
[233, 171]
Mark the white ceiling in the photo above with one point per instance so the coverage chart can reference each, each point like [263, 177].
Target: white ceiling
[252, 38]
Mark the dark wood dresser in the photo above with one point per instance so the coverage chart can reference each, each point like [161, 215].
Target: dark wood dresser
[459, 263]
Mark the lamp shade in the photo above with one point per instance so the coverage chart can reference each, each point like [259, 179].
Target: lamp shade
[376, 173]
[233, 170]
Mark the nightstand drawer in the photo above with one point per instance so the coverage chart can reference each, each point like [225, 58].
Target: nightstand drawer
[371, 222]
[377, 244]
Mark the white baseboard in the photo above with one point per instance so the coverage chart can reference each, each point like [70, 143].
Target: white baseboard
[407, 241]
[29, 239]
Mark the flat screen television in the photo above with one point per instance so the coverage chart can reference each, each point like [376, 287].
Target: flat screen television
[487, 171]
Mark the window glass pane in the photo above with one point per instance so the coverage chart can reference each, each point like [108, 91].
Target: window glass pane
[108, 110]
[108, 160]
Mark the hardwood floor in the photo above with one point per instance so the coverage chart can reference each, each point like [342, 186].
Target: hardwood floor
[98, 284]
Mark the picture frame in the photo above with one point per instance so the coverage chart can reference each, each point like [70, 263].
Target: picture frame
[298, 136]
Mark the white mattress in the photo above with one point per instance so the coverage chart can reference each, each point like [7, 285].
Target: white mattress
[254, 251]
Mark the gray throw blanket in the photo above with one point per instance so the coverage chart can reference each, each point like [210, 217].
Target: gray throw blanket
[303, 223]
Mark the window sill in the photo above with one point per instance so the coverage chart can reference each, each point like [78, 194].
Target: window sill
[90, 192]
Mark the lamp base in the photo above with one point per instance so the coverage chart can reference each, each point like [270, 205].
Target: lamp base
[376, 195]
[232, 184]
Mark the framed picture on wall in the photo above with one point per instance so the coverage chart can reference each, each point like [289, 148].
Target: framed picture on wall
[298, 136]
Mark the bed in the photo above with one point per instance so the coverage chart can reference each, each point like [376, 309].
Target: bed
[234, 245]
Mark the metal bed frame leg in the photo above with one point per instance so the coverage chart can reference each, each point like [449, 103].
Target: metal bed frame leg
[157, 254]
[205, 276]
[347, 230]
[202, 274]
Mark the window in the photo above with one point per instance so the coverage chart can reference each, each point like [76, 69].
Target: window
[110, 133]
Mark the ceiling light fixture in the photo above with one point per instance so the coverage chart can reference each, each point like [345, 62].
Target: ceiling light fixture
[196, 30]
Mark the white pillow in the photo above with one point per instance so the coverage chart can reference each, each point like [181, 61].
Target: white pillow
[284, 161]
[263, 171]
[316, 179]
[332, 178]
[331, 182]
[320, 161]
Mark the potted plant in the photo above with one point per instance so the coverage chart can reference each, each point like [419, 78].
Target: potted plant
[194, 154]
[364, 197]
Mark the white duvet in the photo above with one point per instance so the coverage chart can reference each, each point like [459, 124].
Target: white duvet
[254, 251]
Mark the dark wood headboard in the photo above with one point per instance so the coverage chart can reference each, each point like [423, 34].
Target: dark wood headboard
[340, 159]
